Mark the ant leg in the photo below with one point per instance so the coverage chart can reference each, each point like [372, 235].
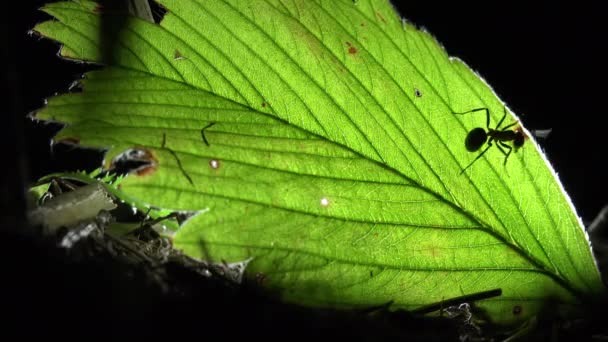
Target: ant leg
[478, 110]
[508, 126]
[203, 132]
[503, 118]
[500, 143]
[479, 156]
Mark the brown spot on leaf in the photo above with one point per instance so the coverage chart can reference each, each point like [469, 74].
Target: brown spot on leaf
[146, 170]
[351, 49]
[380, 17]
[138, 160]
[362, 24]
[264, 104]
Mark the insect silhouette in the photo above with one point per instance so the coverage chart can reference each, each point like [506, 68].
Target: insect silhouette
[478, 136]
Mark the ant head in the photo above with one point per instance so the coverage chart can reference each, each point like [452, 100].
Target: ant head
[475, 139]
[519, 139]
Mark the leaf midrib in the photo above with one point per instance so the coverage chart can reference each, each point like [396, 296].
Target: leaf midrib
[362, 46]
[472, 89]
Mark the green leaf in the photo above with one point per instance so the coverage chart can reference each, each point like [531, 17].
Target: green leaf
[111, 184]
[71, 208]
[335, 159]
[35, 194]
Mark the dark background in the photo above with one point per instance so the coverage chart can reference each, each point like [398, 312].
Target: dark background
[541, 57]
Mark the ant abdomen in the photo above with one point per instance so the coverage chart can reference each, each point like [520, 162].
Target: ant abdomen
[475, 139]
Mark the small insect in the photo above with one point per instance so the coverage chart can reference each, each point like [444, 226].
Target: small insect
[478, 136]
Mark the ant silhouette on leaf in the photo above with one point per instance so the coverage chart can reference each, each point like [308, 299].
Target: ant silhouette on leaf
[478, 136]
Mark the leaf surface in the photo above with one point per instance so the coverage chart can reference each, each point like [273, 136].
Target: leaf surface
[335, 157]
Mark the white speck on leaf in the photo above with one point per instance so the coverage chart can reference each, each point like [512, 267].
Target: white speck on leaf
[324, 202]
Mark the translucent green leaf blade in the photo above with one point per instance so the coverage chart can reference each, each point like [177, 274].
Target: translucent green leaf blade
[335, 159]
[322, 261]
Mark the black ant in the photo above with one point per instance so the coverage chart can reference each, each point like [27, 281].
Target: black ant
[478, 136]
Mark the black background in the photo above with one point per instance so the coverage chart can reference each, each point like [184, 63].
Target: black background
[543, 58]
